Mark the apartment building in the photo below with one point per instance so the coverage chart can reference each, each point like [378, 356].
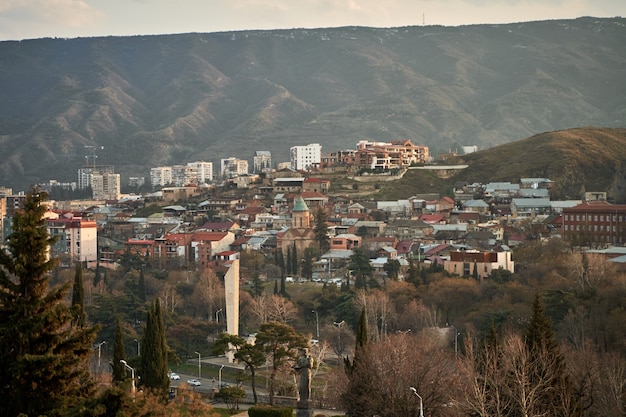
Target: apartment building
[233, 167]
[76, 238]
[262, 161]
[160, 176]
[468, 263]
[105, 186]
[203, 171]
[305, 157]
[595, 223]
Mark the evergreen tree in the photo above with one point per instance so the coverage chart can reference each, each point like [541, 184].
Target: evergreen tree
[43, 359]
[257, 285]
[288, 267]
[360, 265]
[97, 278]
[78, 298]
[276, 287]
[549, 372]
[283, 288]
[475, 271]
[119, 354]
[154, 352]
[141, 287]
[321, 230]
[294, 259]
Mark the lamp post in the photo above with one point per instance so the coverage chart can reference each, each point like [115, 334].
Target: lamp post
[339, 348]
[317, 325]
[199, 365]
[132, 376]
[138, 347]
[421, 402]
[219, 377]
[217, 315]
[100, 353]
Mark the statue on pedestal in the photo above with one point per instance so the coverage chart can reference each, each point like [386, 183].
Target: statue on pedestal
[303, 369]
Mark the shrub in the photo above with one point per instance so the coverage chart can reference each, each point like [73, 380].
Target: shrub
[269, 411]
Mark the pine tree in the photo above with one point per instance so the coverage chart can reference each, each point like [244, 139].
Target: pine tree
[119, 354]
[43, 359]
[154, 352]
[78, 298]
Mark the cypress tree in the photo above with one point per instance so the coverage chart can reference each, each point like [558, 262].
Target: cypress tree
[43, 359]
[276, 287]
[294, 259]
[288, 266]
[78, 298]
[97, 278]
[154, 352]
[141, 287]
[283, 288]
[119, 354]
[321, 230]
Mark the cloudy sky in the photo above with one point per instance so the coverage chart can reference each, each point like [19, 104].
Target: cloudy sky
[27, 19]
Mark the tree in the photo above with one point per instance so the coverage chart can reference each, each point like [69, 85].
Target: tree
[154, 352]
[361, 267]
[43, 359]
[231, 396]
[78, 297]
[250, 354]
[307, 263]
[119, 354]
[392, 268]
[549, 372]
[321, 230]
[141, 287]
[257, 285]
[280, 343]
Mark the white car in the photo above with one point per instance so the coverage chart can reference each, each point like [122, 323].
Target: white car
[194, 382]
[174, 376]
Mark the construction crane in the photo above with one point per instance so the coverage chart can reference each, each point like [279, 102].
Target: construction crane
[93, 149]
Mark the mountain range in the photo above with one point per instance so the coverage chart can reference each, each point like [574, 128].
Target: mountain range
[143, 101]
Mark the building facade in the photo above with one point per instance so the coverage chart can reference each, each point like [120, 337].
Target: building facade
[262, 161]
[203, 171]
[594, 223]
[306, 157]
[160, 176]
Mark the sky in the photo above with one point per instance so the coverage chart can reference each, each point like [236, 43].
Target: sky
[30, 19]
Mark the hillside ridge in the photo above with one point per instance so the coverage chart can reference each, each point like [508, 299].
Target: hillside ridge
[168, 99]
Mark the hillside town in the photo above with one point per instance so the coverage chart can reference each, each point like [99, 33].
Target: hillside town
[199, 224]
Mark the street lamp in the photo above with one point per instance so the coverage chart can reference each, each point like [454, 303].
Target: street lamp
[217, 315]
[317, 324]
[132, 376]
[219, 377]
[199, 365]
[421, 402]
[341, 323]
[100, 352]
[138, 347]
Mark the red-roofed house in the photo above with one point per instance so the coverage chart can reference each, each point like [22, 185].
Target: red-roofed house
[207, 244]
[316, 185]
[433, 218]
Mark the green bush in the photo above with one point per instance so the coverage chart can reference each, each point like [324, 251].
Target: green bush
[269, 411]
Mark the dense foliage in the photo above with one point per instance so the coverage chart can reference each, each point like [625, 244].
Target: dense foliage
[43, 358]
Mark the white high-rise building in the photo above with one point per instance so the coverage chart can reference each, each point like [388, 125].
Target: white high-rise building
[304, 158]
[204, 171]
[160, 176]
[262, 160]
[233, 167]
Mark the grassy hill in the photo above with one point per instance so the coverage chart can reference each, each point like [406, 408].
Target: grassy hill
[578, 160]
